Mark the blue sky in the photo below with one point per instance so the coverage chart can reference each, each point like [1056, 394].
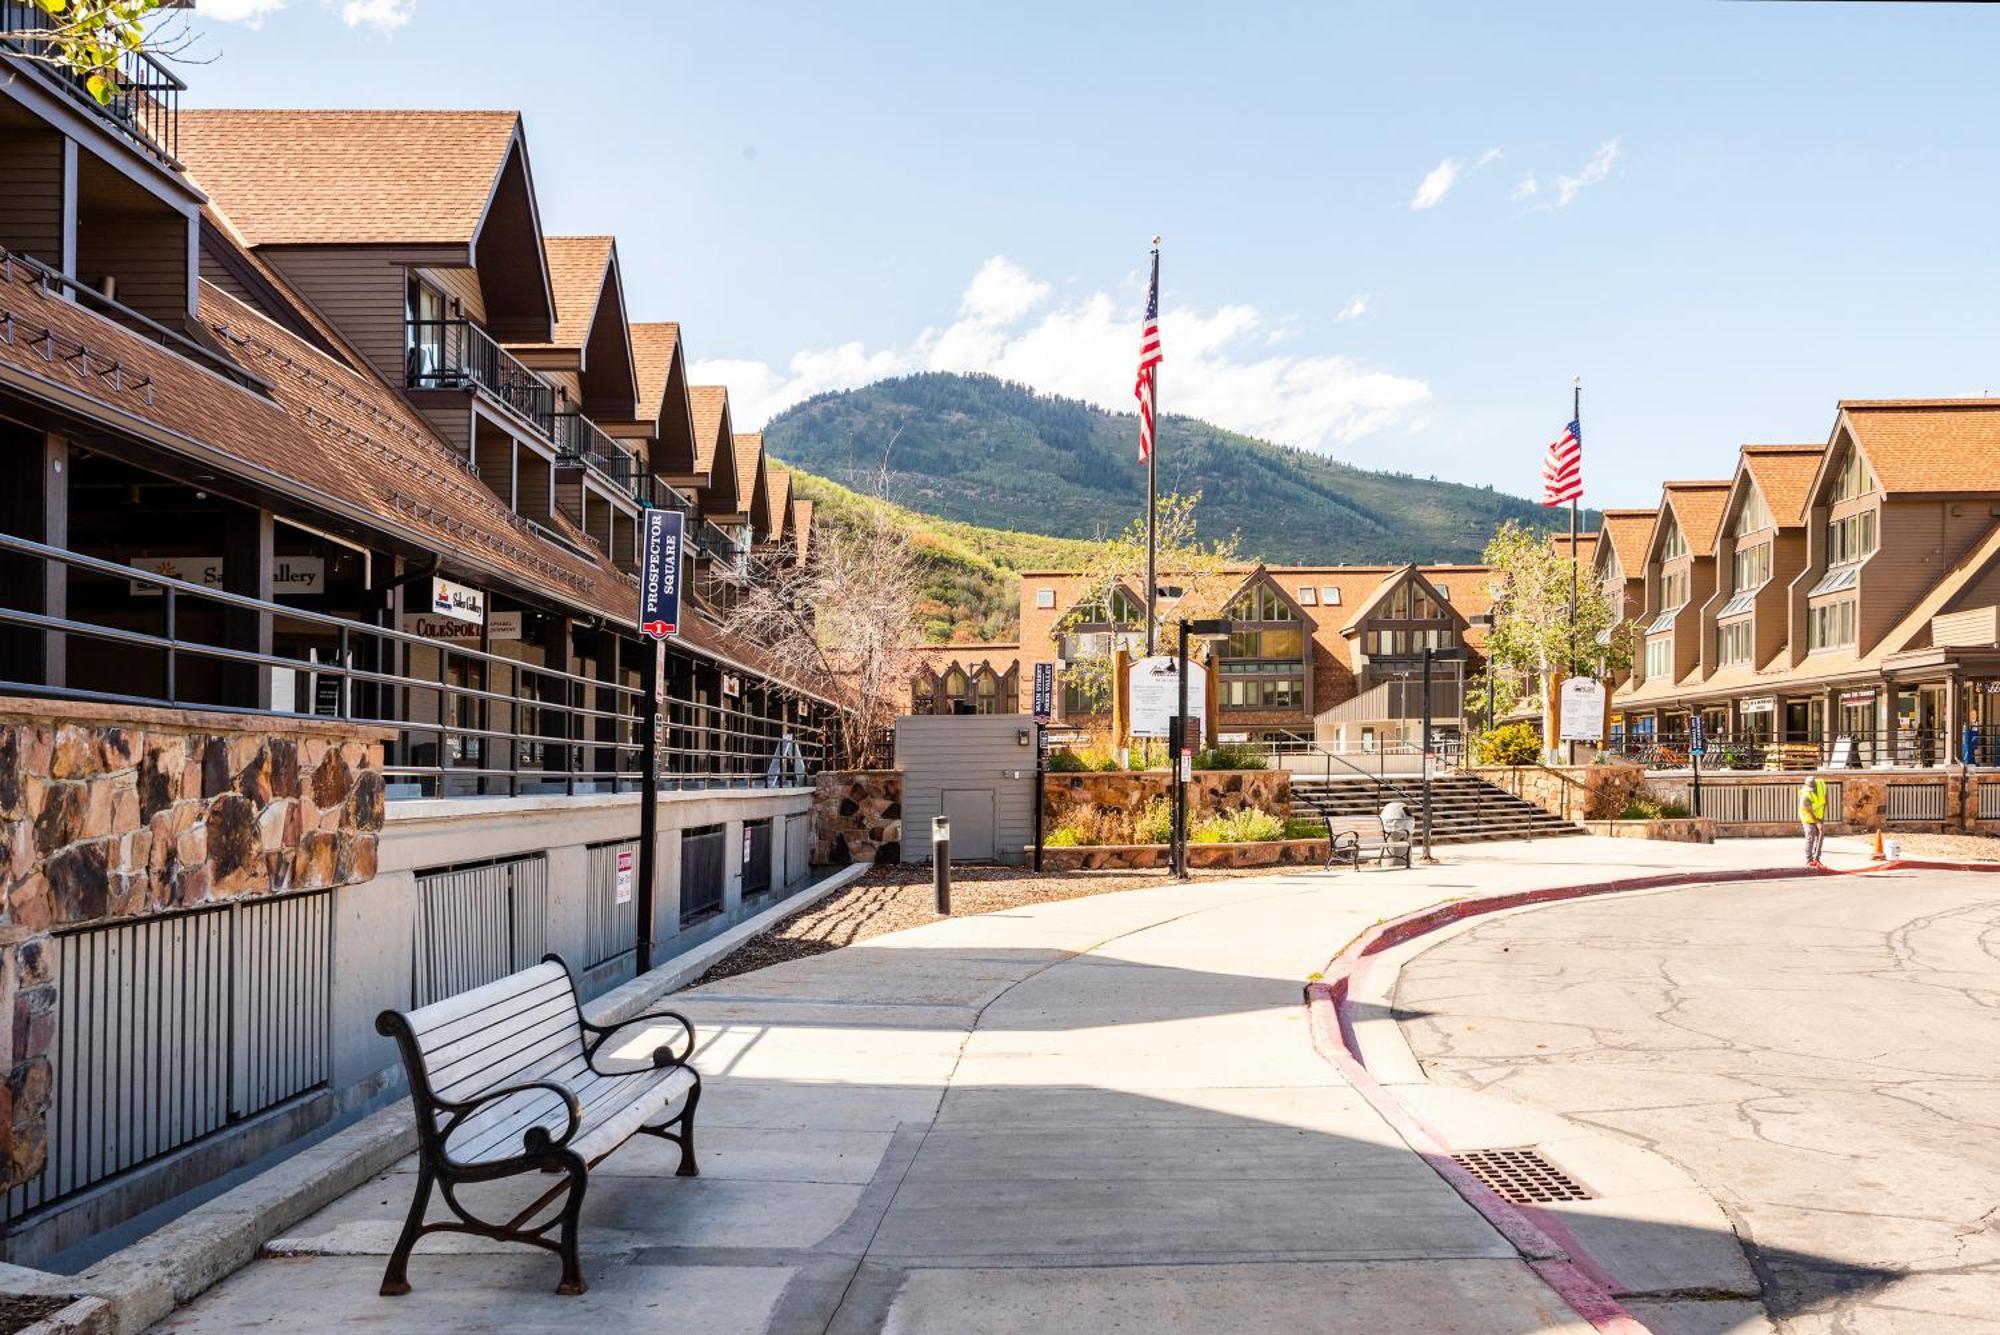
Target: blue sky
[1742, 212]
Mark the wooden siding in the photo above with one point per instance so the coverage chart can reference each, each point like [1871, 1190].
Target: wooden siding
[357, 291]
[31, 205]
[1919, 540]
[219, 276]
[966, 751]
[1976, 627]
[534, 486]
[462, 286]
[146, 252]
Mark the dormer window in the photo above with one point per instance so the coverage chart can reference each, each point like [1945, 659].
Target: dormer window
[1674, 542]
[1750, 567]
[1262, 603]
[1851, 539]
[1753, 517]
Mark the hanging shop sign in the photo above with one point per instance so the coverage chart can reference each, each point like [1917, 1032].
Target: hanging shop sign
[732, 685]
[502, 625]
[1767, 705]
[1045, 692]
[660, 573]
[291, 576]
[1866, 697]
[460, 602]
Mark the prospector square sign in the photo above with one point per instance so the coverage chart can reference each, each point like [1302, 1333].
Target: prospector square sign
[660, 578]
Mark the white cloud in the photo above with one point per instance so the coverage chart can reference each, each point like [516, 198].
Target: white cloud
[1434, 187]
[1527, 189]
[1490, 156]
[1593, 171]
[1354, 309]
[248, 12]
[382, 15]
[1218, 364]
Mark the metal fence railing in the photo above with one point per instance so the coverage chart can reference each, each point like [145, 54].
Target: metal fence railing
[477, 923]
[798, 846]
[171, 1028]
[465, 722]
[1775, 803]
[144, 105]
[611, 901]
[1989, 800]
[703, 871]
[1915, 801]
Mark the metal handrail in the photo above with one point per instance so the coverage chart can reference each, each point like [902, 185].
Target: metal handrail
[146, 107]
[707, 743]
[450, 354]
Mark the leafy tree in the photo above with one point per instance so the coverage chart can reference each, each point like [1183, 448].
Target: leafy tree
[1202, 571]
[87, 38]
[1534, 640]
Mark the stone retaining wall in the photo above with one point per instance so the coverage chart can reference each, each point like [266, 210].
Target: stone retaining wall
[857, 816]
[1212, 792]
[1673, 829]
[113, 812]
[1572, 792]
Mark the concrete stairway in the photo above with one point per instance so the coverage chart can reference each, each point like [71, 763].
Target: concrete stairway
[1464, 809]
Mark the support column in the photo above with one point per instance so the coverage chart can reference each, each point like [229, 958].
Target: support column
[247, 551]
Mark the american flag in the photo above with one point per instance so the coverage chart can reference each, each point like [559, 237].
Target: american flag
[1562, 471]
[1145, 389]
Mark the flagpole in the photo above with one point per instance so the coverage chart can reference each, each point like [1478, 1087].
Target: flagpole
[1153, 484]
[1576, 416]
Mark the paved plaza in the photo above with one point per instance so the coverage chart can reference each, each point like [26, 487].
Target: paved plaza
[1100, 1114]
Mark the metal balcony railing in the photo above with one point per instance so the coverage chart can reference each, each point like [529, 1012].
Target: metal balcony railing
[145, 109]
[452, 354]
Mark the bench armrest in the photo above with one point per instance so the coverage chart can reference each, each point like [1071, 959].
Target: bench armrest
[663, 1056]
[535, 1139]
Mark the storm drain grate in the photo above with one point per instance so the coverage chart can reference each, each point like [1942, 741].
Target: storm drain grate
[1522, 1177]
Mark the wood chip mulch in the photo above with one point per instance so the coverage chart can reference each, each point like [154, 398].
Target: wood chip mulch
[888, 899]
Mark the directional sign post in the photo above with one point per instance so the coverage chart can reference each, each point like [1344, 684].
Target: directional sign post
[1697, 748]
[659, 617]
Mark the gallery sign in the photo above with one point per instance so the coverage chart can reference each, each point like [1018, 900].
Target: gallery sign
[291, 576]
[461, 602]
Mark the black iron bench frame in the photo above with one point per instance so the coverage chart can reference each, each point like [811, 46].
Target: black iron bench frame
[437, 1118]
[1344, 847]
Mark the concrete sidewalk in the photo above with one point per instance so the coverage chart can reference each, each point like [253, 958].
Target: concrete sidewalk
[1099, 1114]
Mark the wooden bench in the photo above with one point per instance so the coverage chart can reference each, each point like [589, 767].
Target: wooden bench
[1348, 837]
[509, 1079]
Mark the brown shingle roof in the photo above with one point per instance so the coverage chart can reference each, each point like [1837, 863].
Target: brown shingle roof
[711, 410]
[349, 177]
[1784, 474]
[1929, 445]
[781, 504]
[748, 451]
[1698, 507]
[653, 348]
[1586, 545]
[1628, 531]
[802, 525]
[577, 269]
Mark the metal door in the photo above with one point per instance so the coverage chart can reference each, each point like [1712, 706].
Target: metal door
[970, 811]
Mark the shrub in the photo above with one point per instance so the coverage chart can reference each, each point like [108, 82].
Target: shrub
[1305, 827]
[1068, 835]
[1647, 808]
[1231, 755]
[1248, 826]
[1509, 744]
[1066, 762]
[1155, 822]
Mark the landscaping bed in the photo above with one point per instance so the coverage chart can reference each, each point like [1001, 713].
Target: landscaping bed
[888, 899]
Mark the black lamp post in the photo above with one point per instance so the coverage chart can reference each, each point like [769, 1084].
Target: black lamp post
[1182, 755]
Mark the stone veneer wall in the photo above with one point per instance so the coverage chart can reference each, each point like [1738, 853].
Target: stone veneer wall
[112, 812]
[857, 816]
[1211, 793]
[1572, 792]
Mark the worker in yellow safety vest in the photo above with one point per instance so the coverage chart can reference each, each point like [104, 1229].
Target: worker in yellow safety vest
[1812, 815]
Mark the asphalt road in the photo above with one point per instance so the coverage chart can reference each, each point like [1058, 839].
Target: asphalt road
[1823, 1055]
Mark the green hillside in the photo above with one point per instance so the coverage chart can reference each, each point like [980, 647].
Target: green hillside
[985, 452]
[974, 573]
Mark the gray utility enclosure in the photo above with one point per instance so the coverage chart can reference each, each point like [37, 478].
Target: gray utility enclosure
[976, 769]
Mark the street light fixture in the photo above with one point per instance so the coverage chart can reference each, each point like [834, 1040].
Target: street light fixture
[1208, 630]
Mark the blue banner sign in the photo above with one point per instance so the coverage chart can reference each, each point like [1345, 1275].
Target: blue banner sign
[660, 575]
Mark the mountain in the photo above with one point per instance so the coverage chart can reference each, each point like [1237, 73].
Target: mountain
[988, 452]
[972, 575]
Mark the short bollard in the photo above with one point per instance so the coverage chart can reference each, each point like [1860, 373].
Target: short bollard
[941, 863]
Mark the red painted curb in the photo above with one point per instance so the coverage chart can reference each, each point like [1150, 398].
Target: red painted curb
[1562, 1266]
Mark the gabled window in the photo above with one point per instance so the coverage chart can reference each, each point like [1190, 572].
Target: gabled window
[1673, 543]
[1853, 477]
[1261, 602]
[1119, 609]
[1753, 516]
[1412, 602]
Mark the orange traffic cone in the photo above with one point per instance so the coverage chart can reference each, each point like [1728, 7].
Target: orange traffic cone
[1878, 855]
